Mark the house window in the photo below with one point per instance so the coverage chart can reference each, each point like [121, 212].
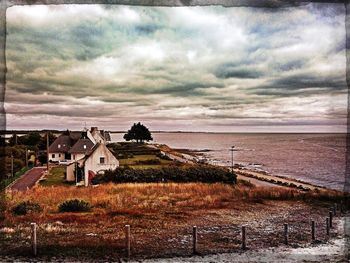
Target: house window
[84, 146]
[59, 155]
[59, 146]
[102, 160]
[73, 156]
[53, 155]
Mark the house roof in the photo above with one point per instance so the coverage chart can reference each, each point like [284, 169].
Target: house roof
[61, 144]
[83, 145]
[64, 142]
[67, 141]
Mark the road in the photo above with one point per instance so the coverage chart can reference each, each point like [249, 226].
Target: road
[28, 180]
[258, 182]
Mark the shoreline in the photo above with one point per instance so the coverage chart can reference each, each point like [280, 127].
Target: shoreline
[194, 156]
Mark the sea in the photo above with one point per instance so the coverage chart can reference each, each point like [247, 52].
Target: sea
[317, 158]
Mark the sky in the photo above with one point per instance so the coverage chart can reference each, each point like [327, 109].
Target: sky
[210, 68]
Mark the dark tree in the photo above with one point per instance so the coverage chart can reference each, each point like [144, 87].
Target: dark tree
[139, 133]
[42, 142]
[32, 138]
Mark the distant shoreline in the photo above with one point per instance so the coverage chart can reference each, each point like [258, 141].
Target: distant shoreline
[258, 178]
[189, 132]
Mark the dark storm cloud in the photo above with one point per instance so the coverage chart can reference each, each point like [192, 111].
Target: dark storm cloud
[228, 70]
[302, 84]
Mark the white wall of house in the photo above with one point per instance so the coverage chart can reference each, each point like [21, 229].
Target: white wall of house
[96, 164]
[70, 172]
[77, 156]
[70, 169]
[55, 157]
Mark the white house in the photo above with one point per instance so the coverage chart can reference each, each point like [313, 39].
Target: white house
[61, 148]
[97, 160]
[85, 152]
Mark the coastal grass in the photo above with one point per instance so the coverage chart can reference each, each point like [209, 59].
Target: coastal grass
[161, 216]
[140, 199]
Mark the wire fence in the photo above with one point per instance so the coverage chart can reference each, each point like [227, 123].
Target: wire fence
[136, 242]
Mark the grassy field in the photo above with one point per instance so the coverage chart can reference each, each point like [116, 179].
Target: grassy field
[138, 161]
[56, 177]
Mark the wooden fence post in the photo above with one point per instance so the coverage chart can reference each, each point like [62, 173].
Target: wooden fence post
[286, 234]
[34, 241]
[341, 207]
[313, 230]
[335, 209]
[327, 226]
[244, 246]
[127, 240]
[194, 239]
[330, 219]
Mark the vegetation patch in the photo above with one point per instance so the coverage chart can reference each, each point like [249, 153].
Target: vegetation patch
[74, 205]
[183, 174]
[56, 176]
[6, 182]
[26, 207]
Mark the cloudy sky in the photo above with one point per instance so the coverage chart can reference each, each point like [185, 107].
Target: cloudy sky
[177, 68]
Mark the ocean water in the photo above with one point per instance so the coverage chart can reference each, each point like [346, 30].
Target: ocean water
[315, 158]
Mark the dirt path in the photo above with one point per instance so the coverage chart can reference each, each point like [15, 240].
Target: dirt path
[260, 177]
[256, 181]
[28, 180]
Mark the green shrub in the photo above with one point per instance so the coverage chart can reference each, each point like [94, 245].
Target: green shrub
[149, 161]
[246, 183]
[26, 207]
[179, 174]
[163, 156]
[74, 205]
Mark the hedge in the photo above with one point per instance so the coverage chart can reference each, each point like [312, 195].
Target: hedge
[195, 173]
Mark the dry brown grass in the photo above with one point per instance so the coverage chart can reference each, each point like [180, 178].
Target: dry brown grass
[137, 199]
[161, 216]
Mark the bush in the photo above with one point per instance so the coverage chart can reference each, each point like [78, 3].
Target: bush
[179, 174]
[74, 205]
[26, 207]
[246, 183]
[163, 156]
[149, 161]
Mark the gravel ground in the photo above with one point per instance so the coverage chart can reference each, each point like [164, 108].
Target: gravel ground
[336, 250]
[333, 251]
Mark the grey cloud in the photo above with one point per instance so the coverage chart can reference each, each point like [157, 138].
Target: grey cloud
[189, 65]
[227, 71]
